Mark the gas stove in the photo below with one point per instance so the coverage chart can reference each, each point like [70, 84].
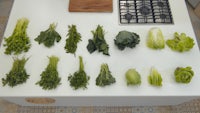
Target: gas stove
[145, 11]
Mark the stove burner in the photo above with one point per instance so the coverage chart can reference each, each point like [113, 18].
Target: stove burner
[163, 16]
[144, 10]
[128, 16]
[160, 4]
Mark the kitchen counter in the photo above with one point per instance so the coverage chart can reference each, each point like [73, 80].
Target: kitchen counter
[42, 13]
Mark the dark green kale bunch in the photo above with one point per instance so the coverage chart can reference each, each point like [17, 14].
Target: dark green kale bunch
[98, 42]
[126, 39]
[79, 79]
[17, 75]
[104, 78]
[49, 36]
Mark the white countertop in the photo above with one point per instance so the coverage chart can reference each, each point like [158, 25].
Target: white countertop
[41, 13]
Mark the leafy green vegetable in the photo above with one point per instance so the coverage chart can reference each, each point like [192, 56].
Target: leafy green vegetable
[49, 36]
[183, 75]
[19, 41]
[126, 39]
[18, 74]
[155, 39]
[98, 42]
[73, 38]
[180, 42]
[104, 78]
[133, 77]
[155, 78]
[79, 79]
[50, 78]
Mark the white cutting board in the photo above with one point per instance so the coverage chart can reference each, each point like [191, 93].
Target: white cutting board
[41, 13]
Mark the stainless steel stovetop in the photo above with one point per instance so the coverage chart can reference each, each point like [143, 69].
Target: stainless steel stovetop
[145, 11]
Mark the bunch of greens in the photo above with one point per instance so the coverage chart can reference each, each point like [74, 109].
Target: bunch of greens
[79, 79]
[183, 75]
[50, 78]
[49, 36]
[98, 42]
[180, 42]
[104, 78]
[19, 41]
[73, 38]
[126, 39]
[133, 77]
[155, 39]
[155, 78]
[17, 75]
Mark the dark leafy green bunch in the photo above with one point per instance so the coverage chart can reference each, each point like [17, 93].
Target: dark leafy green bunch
[104, 78]
[98, 42]
[183, 75]
[50, 78]
[126, 39]
[79, 79]
[19, 41]
[49, 36]
[73, 38]
[17, 75]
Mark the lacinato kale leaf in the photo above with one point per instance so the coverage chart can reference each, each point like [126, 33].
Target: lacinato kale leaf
[50, 77]
[126, 39]
[19, 41]
[79, 79]
[104, 78]
[49, 36]
[17, 74]
[98, 42]
[73, 38]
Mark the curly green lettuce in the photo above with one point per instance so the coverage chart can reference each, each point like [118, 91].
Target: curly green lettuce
[183, 75]
[180, 42]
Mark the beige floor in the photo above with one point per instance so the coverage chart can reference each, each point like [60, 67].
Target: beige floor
[188, 107]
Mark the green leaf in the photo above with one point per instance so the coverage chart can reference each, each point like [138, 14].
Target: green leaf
[73, 38]
[155, 39]
[19, 41]
[79, 79]
[104, 78]
[155, 78]
[180, 42]
[183, 75]
[133, 77]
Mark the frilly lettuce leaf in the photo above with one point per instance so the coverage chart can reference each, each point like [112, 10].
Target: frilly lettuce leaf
[183, 75]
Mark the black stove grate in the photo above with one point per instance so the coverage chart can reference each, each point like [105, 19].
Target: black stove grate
[145, 11]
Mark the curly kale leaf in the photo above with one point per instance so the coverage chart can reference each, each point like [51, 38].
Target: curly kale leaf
[49, 36]
[19, 41]
[73, 38]
[104, 78]
[98, 42]
[17, 75]
[183, 75]
[79, 79]
[126, 39]
[50, 78]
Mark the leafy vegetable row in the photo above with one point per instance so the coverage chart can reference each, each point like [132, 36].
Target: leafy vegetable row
[50, 78]
[19, 41]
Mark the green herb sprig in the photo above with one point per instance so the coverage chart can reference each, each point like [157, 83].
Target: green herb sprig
[73, 38]
[50, 77]
[19, 41]
[49, 36]
[18, 74]
[79, 79]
